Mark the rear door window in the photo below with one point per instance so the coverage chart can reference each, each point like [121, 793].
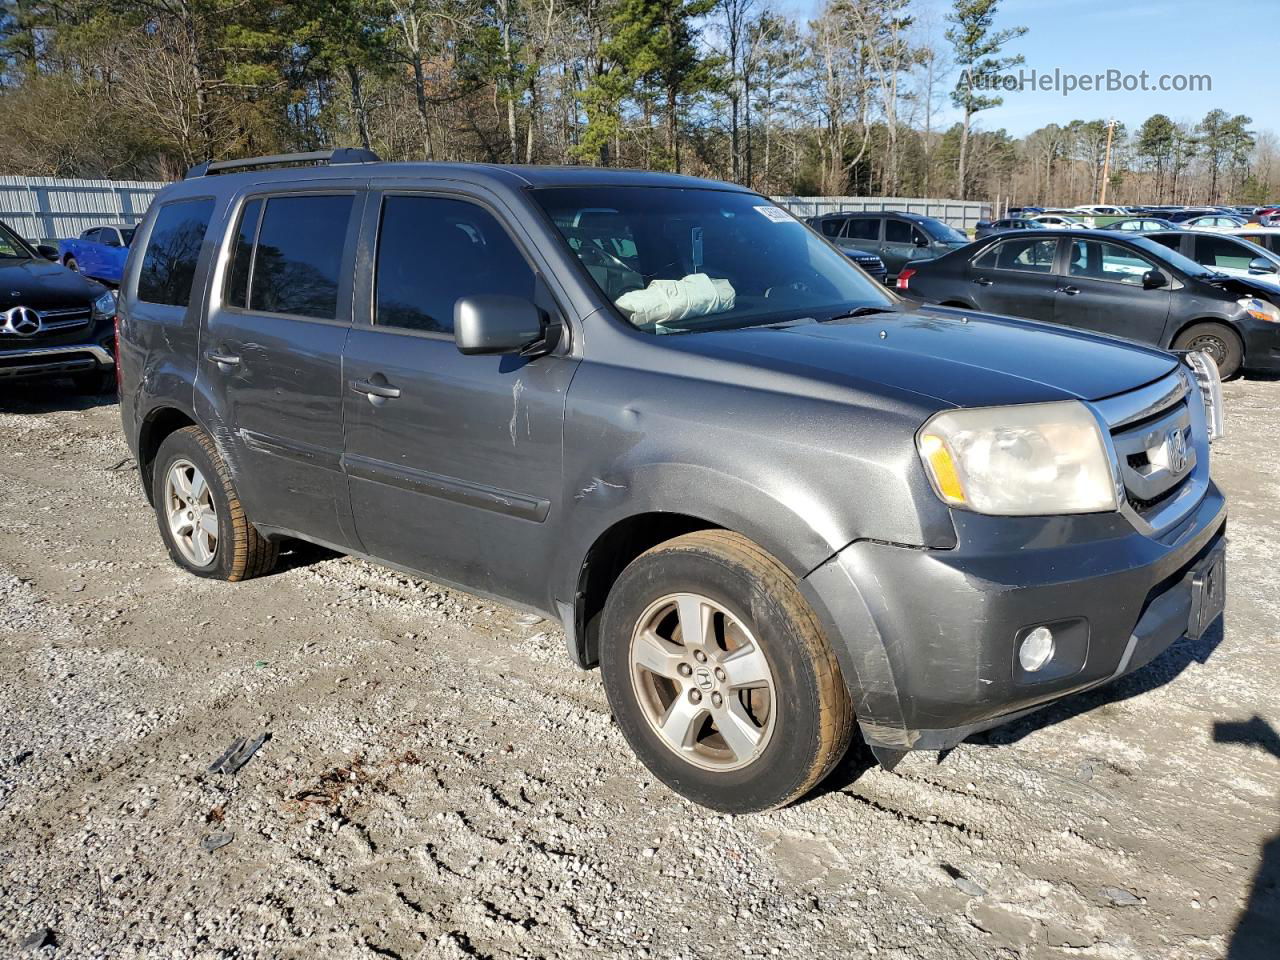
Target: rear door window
[864, 228]
[831, 227]
[1023, 255]
[173, 249]
[432, 251]
[897, 231]
[297, 261]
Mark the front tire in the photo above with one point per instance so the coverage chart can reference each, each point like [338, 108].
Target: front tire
[720, 676]
[201, 519]
[1219, 341]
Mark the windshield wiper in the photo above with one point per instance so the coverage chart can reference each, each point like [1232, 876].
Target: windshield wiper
[863, 312]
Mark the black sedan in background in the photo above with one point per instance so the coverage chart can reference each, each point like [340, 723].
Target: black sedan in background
[53, 323]
[1108, 282]
[989, 228]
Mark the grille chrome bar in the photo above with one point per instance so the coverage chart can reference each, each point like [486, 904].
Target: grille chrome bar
[1127, 408]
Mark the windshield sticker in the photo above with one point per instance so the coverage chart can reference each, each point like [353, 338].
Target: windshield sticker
[776, 214]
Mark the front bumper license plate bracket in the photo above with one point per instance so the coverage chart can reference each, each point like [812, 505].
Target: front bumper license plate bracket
[1208, 593]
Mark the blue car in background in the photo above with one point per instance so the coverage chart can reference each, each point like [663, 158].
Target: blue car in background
[98, 252]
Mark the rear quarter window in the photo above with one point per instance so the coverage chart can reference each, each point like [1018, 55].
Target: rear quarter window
[173, 249]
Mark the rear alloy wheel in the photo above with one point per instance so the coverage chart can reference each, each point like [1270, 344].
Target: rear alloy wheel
[1218, 341]
[720, 676]
[199, 513]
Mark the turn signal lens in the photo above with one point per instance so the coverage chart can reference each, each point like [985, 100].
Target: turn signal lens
[943, 467]
[904, 278]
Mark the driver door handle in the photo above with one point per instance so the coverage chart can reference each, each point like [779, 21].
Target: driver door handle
[1069, 291]
[982, 281]
[222, 359]
[379, 390]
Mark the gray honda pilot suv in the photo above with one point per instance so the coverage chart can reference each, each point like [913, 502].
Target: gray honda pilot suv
[764, 496]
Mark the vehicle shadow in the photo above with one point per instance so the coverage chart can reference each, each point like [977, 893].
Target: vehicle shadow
[1163, 669]
[1258, 929]
[297, 554]
[48, 396]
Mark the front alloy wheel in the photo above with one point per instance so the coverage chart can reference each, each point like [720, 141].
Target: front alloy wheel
[702, 682]
[719, 675]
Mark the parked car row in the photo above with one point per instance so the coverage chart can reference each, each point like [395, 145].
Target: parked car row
[1178, 290]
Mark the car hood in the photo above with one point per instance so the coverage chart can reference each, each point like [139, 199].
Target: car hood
[43, 285]
[1243, 286]
[956, 357]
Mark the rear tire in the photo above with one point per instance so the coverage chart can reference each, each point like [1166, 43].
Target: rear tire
[201, 519]
[71, 264]
[1219, 341]
[751, 711]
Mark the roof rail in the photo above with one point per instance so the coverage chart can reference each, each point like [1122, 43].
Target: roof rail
[335, 156]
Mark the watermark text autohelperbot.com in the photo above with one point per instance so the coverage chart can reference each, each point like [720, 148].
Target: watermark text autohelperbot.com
[1107, 81]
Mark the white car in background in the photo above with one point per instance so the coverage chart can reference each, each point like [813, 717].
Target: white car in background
[1102, 210]
[1060, 221]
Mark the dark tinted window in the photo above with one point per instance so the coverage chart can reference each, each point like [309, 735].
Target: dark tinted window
[433, 251]
[831, 228]
[864, 228]
[1223, 252]
[109, 237]
[242, 255]
[1026, 255]
[169, 265]
[91, 235]
[1172, 241]
[127, 235]
[1107, 261]
[897, 231]
[299, 256]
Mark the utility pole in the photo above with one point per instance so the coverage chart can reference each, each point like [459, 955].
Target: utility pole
[1106, 164]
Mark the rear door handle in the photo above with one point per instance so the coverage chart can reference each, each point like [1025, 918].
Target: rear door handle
[982, 281]
[375, 391]
[222, 359]
[1069, 291]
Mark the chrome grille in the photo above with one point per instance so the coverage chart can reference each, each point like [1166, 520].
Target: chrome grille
[1159, 451]
[64, 319]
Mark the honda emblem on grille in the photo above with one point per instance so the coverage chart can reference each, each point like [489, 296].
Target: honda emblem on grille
[23, 321]
[1177, 450]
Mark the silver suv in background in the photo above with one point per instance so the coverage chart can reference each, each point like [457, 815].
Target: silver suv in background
[770, 501]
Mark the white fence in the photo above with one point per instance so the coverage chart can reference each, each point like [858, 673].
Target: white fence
[44, 209]
[962, 214]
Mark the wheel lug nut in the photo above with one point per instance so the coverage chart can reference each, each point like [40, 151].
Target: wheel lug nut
[695, 696]
[700, 656]
[684, 670]
[720, 674]
[716, 699]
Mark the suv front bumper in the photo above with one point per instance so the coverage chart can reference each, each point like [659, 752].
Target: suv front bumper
[54, 361]
[928, 638]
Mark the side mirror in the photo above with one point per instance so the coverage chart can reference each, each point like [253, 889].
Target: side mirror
[1261, 265]
[1153, 280]
[47, 251]
[497, 323]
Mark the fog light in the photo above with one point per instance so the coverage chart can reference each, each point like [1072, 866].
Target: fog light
[1036, 649]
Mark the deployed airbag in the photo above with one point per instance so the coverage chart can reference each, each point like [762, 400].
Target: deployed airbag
[666, 301]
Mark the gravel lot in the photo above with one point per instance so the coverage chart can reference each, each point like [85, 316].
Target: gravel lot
[440, 782]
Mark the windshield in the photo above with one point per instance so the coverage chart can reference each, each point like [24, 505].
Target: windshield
[1171, 257]
[676, 260]
[942, 231]
[13, 247]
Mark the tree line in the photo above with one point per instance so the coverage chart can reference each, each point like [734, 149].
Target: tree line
[847, 103]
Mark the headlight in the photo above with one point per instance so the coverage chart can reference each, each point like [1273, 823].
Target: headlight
[1024, 460]
[105, 306]
[1260, 309]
